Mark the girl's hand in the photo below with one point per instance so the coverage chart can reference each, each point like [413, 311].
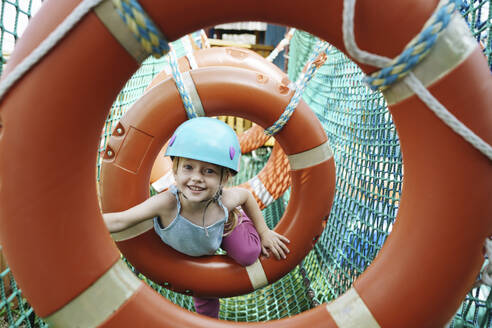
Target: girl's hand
[274, 242]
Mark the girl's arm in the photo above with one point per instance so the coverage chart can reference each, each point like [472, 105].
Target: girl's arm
[153, 206]
[270, 240]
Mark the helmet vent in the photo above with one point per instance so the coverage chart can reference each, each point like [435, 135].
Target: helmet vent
[172, 140]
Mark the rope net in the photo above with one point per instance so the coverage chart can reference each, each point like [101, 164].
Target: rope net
[369, 180]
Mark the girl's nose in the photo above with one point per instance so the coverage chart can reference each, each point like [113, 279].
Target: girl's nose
[196, 176]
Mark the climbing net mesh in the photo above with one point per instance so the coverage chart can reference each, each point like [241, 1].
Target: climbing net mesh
[369, 179]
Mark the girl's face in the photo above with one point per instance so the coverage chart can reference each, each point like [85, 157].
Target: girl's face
[198, 181]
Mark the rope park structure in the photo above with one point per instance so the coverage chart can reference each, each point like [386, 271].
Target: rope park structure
[369, 192]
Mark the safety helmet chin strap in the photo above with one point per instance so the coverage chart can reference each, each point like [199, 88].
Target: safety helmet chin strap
[213, 199]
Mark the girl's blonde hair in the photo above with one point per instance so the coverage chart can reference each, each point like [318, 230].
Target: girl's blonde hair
[232, 220]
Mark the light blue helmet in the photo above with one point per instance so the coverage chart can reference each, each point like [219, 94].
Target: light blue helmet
[206, 139]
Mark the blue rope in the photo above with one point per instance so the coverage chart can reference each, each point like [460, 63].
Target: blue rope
[415, 51]
[313, 64]
[178, 79]
[143, 28]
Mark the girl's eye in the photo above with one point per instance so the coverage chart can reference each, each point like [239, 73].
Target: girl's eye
[209, 171]
[187, 167]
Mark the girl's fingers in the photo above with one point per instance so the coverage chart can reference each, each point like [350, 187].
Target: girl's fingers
[284, 239]
[275, 244]
[281, 252]
[284, 247]
[281, 237]
[275, 252]
[280, 245]
[265, 251]
[278, 251]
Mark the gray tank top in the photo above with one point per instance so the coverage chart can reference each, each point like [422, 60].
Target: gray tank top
[189, 238]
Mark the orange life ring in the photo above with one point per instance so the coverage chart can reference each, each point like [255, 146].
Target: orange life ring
[140, 135]
[58, 247]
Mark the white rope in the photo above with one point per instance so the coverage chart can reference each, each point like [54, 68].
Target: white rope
[75, 16]
[437, 108]
[416, 85]
[349, 39]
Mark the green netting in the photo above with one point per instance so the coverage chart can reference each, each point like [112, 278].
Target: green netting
[369, 176]
[478, 15]
[14, 309]
[14, 16]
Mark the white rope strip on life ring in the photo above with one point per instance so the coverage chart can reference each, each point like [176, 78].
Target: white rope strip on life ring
[350, 311]
[310, 157]
[455, 41]
[204, 39]
[191, 60]
[190, 88]
[257, 275]
[110, 18]
[95, 304]
[133, 231]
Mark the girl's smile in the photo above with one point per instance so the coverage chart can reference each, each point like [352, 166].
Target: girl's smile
[196, 189]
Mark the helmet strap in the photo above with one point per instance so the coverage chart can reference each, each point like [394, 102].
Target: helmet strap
[216, 197]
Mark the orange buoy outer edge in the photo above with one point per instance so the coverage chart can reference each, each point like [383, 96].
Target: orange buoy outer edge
[51, 228]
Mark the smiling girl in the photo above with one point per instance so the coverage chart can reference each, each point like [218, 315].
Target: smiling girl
[197, 215]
